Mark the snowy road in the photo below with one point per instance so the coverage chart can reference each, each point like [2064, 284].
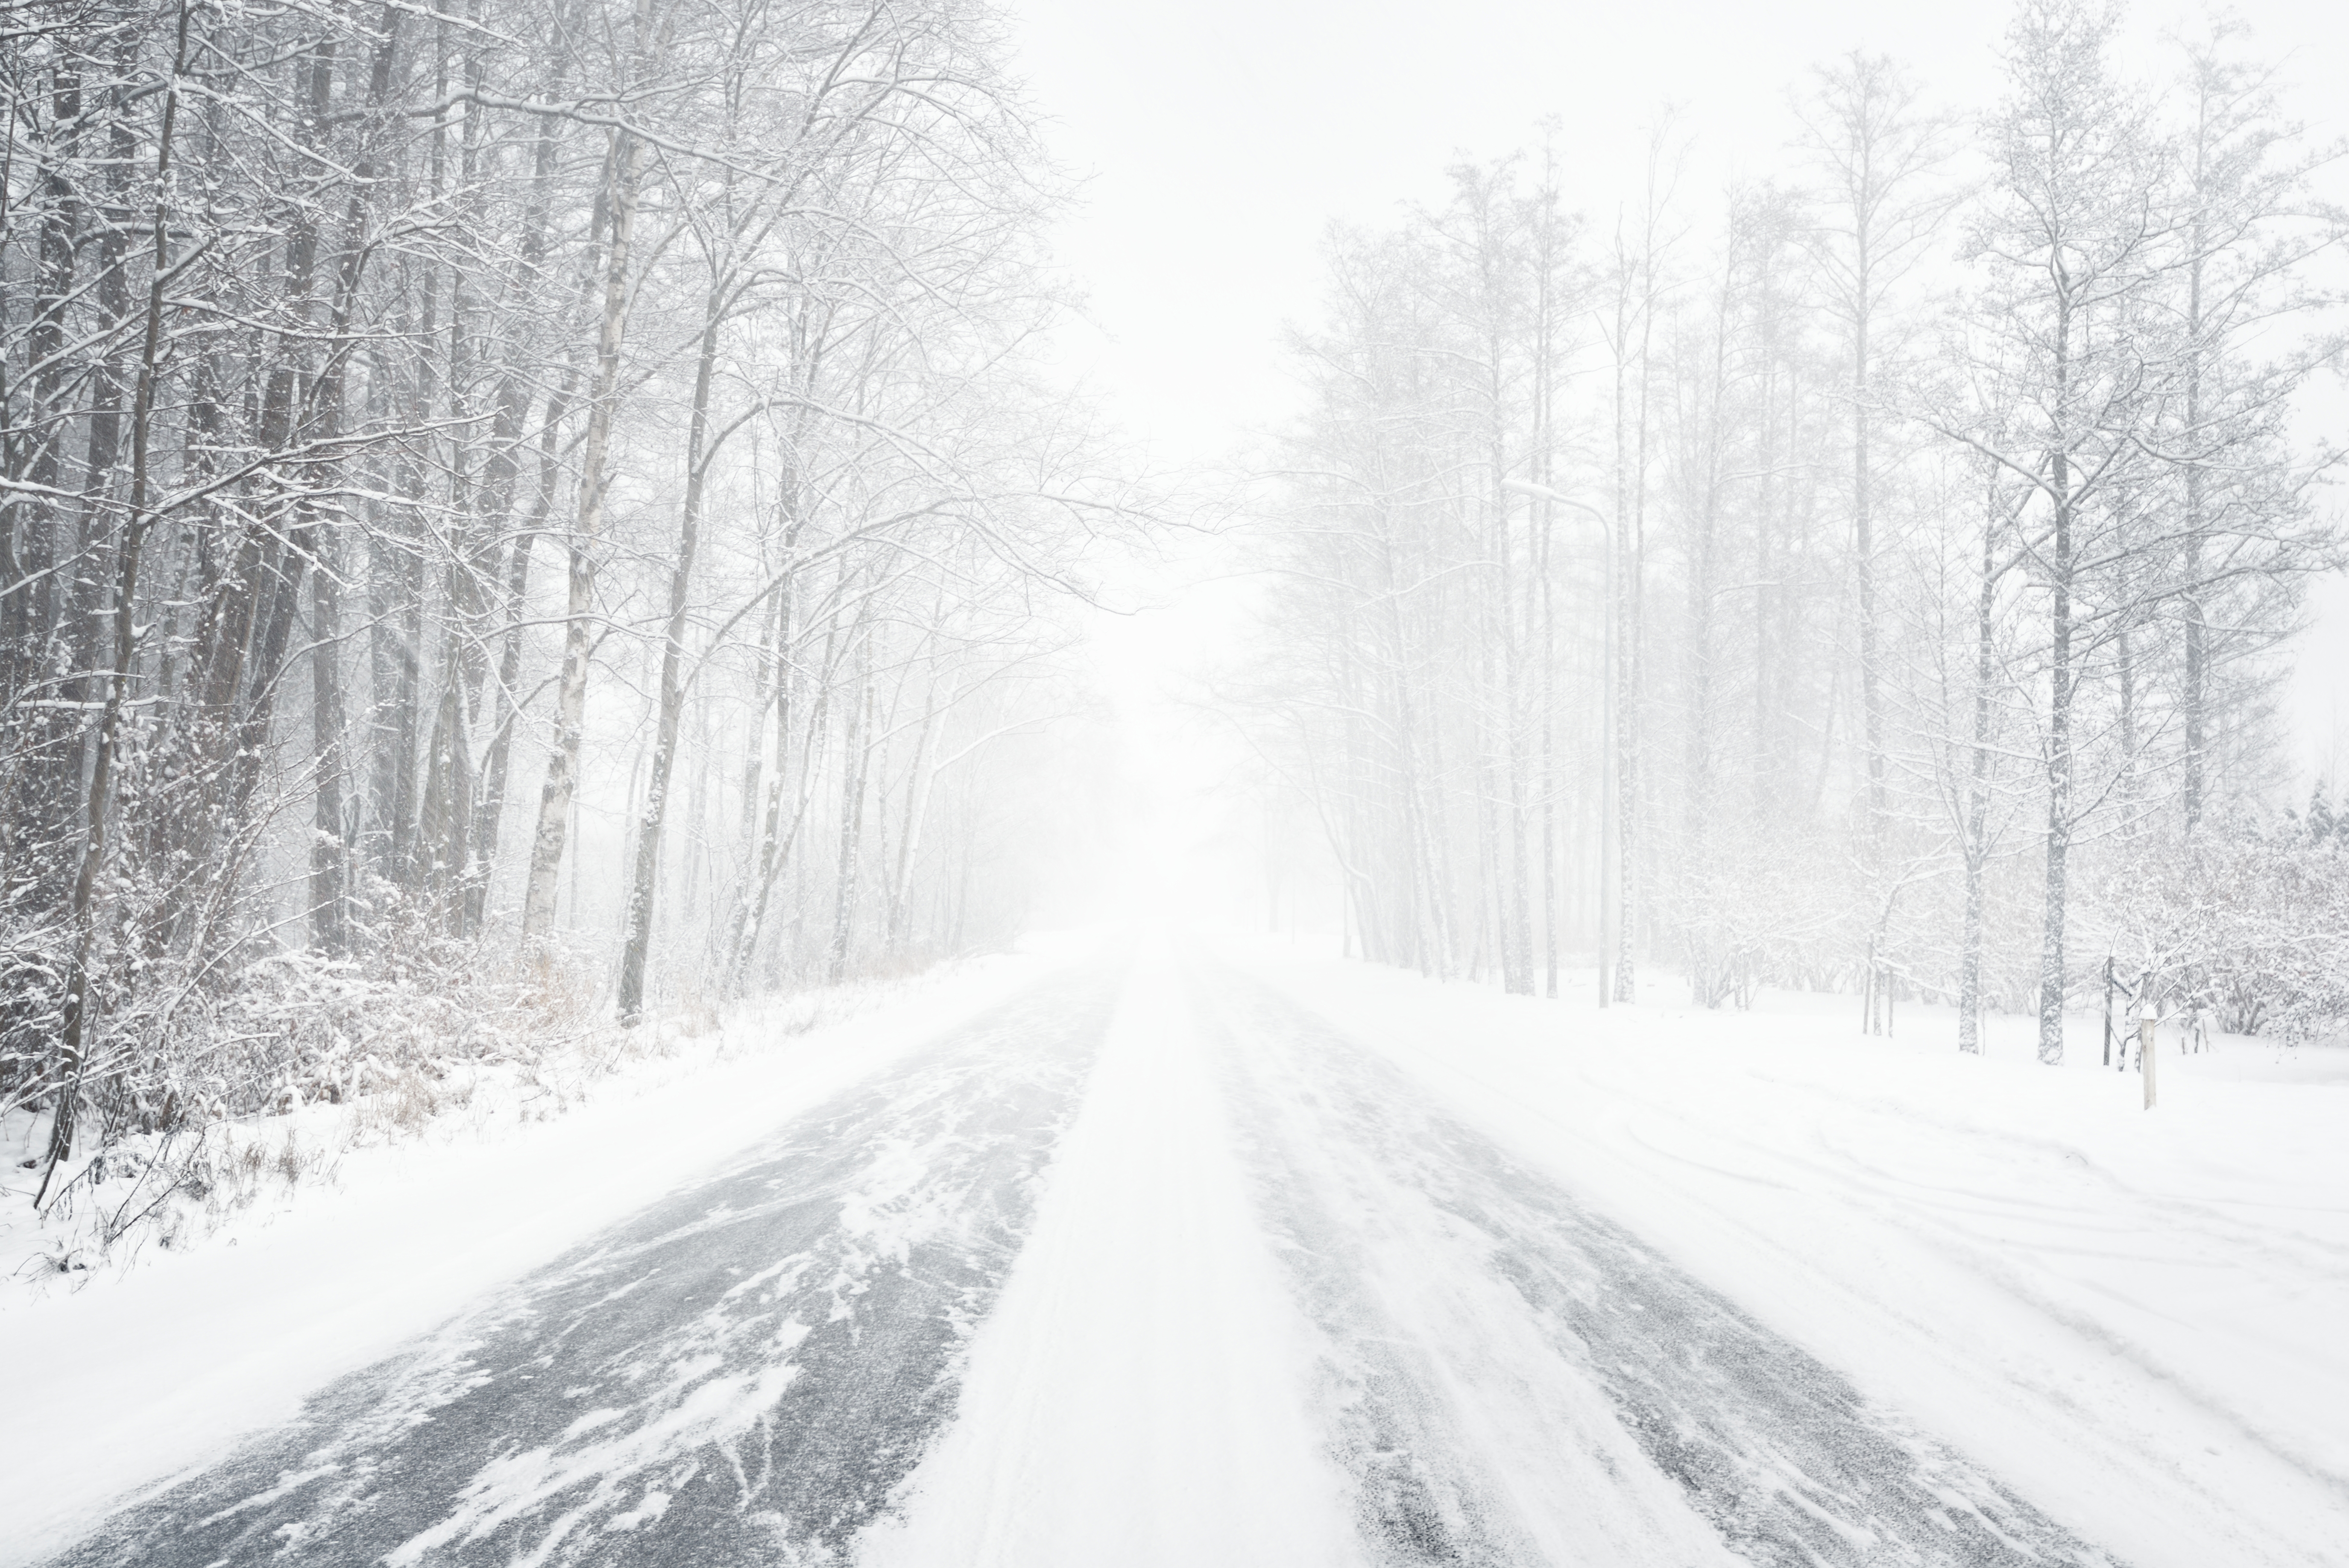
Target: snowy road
[1149, 1266]
[740, 1374]
[1511, 1379]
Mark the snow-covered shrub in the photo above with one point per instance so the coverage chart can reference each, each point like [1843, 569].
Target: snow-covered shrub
[1764, 910]
[187, 1045]
[2251, 925]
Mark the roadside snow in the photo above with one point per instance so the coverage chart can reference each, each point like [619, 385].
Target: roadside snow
[137, 1373]
[2137, 1319]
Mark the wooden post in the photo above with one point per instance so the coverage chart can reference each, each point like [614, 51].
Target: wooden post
[2146, 1053]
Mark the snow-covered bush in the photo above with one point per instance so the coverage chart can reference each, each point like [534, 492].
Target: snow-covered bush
[187, 1045]
[1767, 909]
[2251, 926]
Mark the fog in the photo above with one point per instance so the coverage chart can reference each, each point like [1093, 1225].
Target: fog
[1536, 494]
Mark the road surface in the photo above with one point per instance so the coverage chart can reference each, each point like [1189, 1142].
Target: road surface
[770, 1365]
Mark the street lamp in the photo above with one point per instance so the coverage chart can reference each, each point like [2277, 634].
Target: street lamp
[1608, 849]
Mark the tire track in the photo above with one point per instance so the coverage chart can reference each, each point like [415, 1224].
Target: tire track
[1785, 1460]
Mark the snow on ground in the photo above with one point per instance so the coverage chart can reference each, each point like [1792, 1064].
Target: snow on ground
[2133, 1319]
[1138, 1395]
[139, 1372]
[2136, 1318]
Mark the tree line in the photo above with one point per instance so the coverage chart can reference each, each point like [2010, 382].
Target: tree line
[433, 437]
[1875, 578]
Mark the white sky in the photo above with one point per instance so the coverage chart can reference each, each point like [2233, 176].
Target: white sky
[1218, 137]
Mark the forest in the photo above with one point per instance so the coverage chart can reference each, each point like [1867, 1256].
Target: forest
[1876, 577]
[444, 447]
[522, 515]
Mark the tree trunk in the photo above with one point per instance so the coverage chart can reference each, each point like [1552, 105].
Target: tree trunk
[625, 175]
[1863, 487]
[636, 944]
[2059, 732]
[328, 838]
[2193, 700]
[852, 832]
[73, 1037]
[1976, 844]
